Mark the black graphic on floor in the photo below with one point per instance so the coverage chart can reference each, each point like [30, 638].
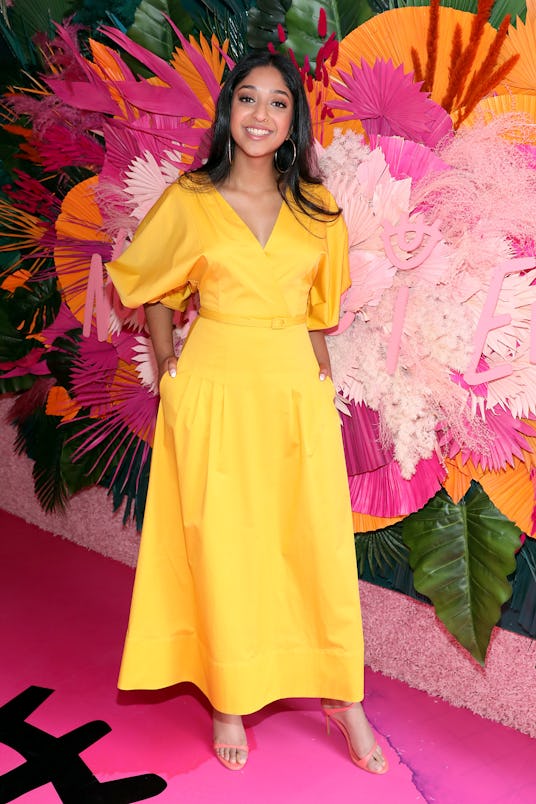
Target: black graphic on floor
[56, 760]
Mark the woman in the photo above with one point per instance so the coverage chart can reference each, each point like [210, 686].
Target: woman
[246, 582]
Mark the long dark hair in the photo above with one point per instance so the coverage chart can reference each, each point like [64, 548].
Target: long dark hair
[299, 172]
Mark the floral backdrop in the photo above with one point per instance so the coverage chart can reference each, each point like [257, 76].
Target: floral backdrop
[425, 125]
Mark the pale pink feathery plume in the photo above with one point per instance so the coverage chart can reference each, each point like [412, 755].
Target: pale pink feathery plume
[475, 198]
[506, 441]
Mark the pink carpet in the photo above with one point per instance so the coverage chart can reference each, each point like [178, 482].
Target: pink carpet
[63, 611]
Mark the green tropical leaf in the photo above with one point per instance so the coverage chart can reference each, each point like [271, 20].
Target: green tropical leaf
[226, 25]
[524, 587]
[14, 345]
[302, 20]
[299, 18]
[62, 356]
[461, 556]
[379, 549]
[41, 439]
[263, 20]
[33, 308]
[151, 30]
[92, 13]
[24, 19]
[13, 385]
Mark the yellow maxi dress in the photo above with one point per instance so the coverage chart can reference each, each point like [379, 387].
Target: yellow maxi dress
[246, 582]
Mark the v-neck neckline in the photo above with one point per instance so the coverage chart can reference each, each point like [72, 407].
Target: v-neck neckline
[245, 225]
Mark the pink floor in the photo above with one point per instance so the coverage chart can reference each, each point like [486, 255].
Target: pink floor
[63, 611]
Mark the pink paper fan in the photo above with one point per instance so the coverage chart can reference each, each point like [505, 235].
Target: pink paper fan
[506, 443]
[384, 492]
[407, 159]
[362, 448]
[371, 274]
[388, 101]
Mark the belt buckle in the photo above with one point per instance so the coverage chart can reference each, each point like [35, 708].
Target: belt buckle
[278, 323]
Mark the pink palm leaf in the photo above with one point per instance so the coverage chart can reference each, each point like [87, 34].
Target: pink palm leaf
[407, 159]
[385, 493]
[388, 101]
[505, 440]
[122, 412]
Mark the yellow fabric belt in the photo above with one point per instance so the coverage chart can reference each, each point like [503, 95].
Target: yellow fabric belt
[271, 323]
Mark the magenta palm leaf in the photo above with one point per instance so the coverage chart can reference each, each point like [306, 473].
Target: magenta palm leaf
[389, 102]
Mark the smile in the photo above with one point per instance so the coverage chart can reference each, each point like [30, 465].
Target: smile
[258, 132]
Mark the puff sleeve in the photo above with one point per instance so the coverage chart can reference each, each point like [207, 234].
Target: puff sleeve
[157, 264]
[331, 280]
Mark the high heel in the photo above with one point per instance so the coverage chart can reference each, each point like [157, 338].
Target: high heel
[226, 762]
[361, 762]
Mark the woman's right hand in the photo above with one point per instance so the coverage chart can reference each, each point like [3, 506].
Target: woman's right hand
[169, 365]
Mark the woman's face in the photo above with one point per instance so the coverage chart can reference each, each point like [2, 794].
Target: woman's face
[261, 112]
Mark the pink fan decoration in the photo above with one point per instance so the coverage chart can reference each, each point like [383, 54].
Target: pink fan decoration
[407, 159]
[387, 101]
[385, 493]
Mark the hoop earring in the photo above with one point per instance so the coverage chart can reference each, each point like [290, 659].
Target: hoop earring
[276, 157]
[229, 150]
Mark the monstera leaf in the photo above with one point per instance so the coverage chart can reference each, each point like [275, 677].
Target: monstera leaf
[461, 556]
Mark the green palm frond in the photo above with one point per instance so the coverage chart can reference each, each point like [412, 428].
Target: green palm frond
[225, 25]
[14, 385]
[461, 555]
[14, 345]
[379, 549]
[35, 307]
[40, 438]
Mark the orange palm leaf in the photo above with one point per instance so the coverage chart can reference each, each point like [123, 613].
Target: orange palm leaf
[79, 235]
[59, 403]
[393, 34]
[521, 39]
[512, 492]
[525, 105]
[366, 522]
